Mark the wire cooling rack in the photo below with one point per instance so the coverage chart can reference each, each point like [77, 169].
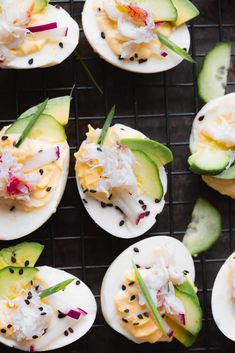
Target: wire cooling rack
[162, 106]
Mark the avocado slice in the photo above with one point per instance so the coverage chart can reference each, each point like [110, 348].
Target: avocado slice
[156, 151]
[209, 161]
[58, 107]
[187, 287]
[162, 10]
[39, 5]
[226, 174]
[23, 254]
[11, 277]
[193, 313]
[148, 174]
[46, 129]
[183, 336]
[186, 11]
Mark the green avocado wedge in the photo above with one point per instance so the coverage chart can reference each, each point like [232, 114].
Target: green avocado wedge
[187, 287]
[186, 11]
[39, 5]
[183, 336]
[156, 151]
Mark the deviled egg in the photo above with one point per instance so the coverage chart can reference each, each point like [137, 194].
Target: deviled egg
[122, 181]
[34, 162]
[223, 298]
[40, 308]
[212, 144]
[130, 34]
[34, 34]
[148, 293]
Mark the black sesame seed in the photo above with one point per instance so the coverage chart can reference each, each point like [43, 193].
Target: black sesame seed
[99, 149]
[132, 298]
[132, 58]
[120, 57]
[12, 208]
[61, 315]
[135, 323]
[122, 129]
[77, 282]
[131, 283]
[156, 200]
[31, 282]
[9, 326]
[48, 189]
[42, 314]
[11, 270]
[141, 202]
[35, 337]
[138, 266]
[85, 201]
[40, 151]
[30, 61]
[147, 213]
[66, 333]
[70, 330]
[185, 272]
[61, 45]
[57, 6]
[121, 223]
[99, 9]
[136, 55]
[110, 196]
[92, 191]
[123, 287]
[136, 249]
[13, 259]
[4, 138]
[141, 61]
[21, 271]
[126, 311]
[3, 330]
[144, 207]
[146, 314]
[26, 263]
[109, 205]
[30, 295]
[185, 49]
[102, 35]
[84, 191]
[41, 171]
[41, 308]
[37, 288]
[201, 118]
[124, 320]
[27, 302]
[103, 205]
[140, 316]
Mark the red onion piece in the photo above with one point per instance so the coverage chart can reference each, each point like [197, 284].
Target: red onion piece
[42, 158]
[41, 28]
[140, 216]
[169, 331]
[180, 318]
[159, 23]
[75, 314]
[32, 349]
[164, 54]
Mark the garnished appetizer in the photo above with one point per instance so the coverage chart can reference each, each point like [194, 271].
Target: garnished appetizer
[34, 162]
[223, 298]
[148, 293]
[212, 144]
[41, 308]
[35, 34]
[121, 178]
[143, 36]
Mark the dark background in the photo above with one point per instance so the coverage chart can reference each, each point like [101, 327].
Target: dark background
[162, 106]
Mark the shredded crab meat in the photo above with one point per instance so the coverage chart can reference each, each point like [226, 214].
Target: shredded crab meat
[14, 183]
[117, 167]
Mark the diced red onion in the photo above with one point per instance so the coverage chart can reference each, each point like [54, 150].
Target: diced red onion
[16, 186]
[42, 28]
[139, 217]
[75, 314]
[159, 23]
[32, 349]
[164, 54]
[169, 331]
[42, 158]
[180, 318]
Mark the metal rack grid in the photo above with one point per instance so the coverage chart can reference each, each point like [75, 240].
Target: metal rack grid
[162, 106]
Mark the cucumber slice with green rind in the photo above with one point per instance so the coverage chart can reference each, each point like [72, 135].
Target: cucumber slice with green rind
[204, 228]
[226, 174]
[209, 161]
[212, 78]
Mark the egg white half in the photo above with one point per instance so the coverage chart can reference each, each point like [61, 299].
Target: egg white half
[109, 218]
[18, 223]
[51, 54]
[180, 36]
[223, 308]
[74, 296]
[113, 278]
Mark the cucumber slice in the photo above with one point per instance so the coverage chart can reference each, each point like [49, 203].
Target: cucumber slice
[204, 228]
[212, 78]
[226, 174]
[209, 161]
[45, 129]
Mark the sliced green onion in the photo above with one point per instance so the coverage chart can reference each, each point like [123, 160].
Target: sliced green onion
[149, 300]
[106, 126]
[174, 47]
[54, 289]
[88, 72]
[33, 120]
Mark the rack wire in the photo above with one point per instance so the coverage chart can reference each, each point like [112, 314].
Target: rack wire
[163, 107]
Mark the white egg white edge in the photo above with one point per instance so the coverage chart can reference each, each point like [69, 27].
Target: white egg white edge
[114, 276]
[109, 218]
[222, 305]
[180, 36]
[74, 296]
[51, 54]
[18, 223]
[209, 111]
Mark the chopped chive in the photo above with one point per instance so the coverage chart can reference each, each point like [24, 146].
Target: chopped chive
[174, 47]
[54, 289]
[89, 74]
[149, 299]
[106, 126]
[31, 123]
